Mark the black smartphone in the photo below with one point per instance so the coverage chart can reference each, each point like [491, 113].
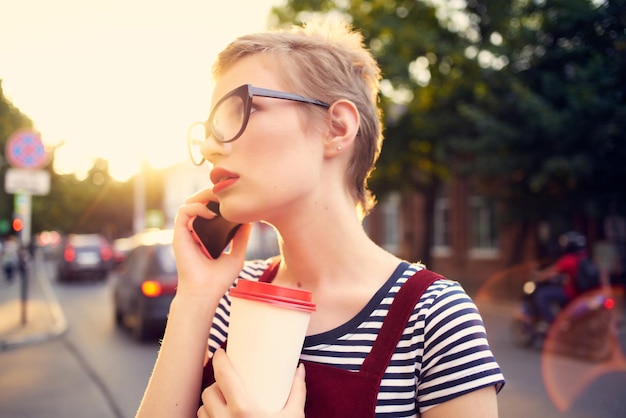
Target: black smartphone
[213, 235]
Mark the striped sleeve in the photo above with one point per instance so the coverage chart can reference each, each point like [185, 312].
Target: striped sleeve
[456, 356]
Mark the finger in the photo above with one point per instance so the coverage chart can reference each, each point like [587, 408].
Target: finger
[213, 403]
[297, 395]
[202, 412]
[191, 209]
[183, 240]
[228, 381]
[201, 196]
[184, 216]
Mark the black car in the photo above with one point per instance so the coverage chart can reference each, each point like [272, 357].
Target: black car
[85, 256]
[144, 284]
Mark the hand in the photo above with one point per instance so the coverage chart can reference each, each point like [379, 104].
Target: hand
[227, 397]
[199, 276]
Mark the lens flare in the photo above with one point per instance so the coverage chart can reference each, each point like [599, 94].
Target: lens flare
[566, 375]
[578, 351]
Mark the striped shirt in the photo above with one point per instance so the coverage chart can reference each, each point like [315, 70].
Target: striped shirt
[442, 354]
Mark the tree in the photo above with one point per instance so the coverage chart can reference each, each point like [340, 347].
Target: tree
[11, 120]
[426, 74]
[551, 127]
[96, 203]
[525, 97]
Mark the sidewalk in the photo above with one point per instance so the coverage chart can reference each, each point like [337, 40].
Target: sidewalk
[42, 374]
[38, 318]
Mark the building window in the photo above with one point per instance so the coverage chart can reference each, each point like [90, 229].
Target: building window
[483, 227]
[441, 227]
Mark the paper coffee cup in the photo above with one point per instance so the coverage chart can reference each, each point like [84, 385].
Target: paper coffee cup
[266, 332]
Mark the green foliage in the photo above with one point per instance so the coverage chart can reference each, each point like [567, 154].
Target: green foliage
[528, 99]
[94, 204]
[556, 141]
[11, 120]
[97, 203]
[407, 37]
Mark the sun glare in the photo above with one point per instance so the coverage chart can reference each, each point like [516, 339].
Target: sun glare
[110, 80]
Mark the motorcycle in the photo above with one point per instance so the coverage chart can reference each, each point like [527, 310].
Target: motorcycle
[583, 328]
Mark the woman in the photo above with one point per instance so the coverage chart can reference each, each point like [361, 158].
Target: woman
[300, 163]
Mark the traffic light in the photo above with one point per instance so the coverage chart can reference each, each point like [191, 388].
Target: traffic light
[17, 224]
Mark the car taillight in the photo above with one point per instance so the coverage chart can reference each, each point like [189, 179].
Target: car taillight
[609, 303]
[69, 254]
[105, 253]
[151, 289]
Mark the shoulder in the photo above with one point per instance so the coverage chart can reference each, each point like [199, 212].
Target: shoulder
[445, 314]
[454, 356]
[443, 306]
[442, 291]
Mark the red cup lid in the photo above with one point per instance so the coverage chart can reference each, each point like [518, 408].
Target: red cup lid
[276, 295]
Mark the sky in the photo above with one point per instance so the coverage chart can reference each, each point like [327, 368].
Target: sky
[117, 79]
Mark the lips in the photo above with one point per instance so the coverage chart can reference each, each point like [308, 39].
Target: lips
[222, 179]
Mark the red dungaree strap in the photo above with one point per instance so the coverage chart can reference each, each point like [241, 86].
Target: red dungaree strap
[337, 393]
[271, 270]
[399, 313]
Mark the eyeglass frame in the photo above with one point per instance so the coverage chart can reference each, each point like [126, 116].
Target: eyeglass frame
[247, 93]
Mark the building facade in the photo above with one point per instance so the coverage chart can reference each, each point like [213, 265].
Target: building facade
[468, 244]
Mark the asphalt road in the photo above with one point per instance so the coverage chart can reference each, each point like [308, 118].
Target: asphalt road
[551, 386]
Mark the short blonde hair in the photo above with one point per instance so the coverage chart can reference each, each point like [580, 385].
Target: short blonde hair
[325, 60]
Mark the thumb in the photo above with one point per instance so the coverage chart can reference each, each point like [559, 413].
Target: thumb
[297, 396]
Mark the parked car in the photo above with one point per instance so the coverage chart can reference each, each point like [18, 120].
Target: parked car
[85, 256]
[143, 285]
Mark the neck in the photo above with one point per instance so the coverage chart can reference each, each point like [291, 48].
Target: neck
[319, 254]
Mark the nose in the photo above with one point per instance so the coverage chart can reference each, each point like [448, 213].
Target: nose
[212, 149]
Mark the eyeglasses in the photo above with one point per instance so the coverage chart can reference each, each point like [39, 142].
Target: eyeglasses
[229, 117]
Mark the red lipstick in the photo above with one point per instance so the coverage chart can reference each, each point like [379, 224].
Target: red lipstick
[222, 179]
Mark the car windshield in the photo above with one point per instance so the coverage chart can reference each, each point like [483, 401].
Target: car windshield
[89, 240]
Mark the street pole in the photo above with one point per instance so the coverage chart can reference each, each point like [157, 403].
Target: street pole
[139, 183]
[22, 209]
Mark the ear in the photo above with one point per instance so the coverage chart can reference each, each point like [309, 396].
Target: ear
[344, 127]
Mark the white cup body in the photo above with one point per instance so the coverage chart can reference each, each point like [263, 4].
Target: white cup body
[264, 345]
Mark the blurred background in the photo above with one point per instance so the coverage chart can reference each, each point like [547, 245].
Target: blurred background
[505, 127]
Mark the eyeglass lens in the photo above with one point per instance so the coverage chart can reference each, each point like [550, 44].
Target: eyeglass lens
[195, 138]
[225, 123]
[228, 118]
